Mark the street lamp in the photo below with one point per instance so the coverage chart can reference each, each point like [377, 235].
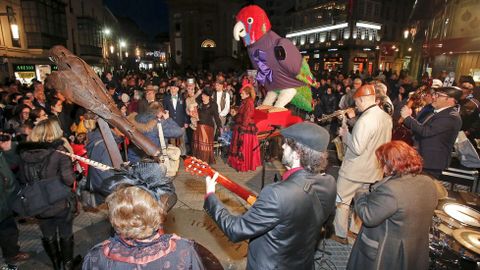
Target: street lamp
[107, 31]
[122, 44]
[14, 28]
[13, 23]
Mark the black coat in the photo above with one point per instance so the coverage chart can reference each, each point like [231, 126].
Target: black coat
[284, 224]
[330, 103]
[436, 137]
[179, 115]
[58, 165]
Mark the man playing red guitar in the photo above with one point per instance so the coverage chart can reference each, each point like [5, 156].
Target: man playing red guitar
[284, 223]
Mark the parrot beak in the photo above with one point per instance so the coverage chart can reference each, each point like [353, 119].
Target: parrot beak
[239, 31]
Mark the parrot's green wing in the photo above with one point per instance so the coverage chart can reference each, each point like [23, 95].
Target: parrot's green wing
[303, 98]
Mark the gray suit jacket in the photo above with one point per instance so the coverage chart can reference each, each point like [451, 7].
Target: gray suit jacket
[372, 129]
[396, 219]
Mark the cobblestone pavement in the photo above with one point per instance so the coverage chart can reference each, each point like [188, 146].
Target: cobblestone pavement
[91, 228]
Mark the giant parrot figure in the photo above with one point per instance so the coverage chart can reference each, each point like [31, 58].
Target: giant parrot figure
[281, 68]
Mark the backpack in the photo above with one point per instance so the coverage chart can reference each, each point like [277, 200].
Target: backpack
[38, 194]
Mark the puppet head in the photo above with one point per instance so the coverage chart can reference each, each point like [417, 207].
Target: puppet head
[252, 24]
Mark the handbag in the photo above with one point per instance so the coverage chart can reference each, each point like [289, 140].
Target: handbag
[30, 200]
[36, 197]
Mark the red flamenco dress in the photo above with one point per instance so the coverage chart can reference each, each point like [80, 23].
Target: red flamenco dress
[244, 139]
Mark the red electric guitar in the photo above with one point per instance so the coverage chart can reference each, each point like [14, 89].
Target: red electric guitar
[198, 167]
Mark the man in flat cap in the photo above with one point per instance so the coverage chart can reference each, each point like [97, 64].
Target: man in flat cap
[284, 224]
[437, 134]
[360, 166]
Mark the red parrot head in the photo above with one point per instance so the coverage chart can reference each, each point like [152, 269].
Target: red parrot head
[252, 24]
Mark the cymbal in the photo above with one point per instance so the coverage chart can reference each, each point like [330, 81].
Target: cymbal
[462, 213]
[470, 239]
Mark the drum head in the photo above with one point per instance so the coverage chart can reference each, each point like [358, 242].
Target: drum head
[446, 219]
[470, 239]
[463, 214]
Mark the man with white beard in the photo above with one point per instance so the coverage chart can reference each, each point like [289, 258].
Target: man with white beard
[284, 224]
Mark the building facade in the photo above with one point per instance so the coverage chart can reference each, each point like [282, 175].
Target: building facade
[42, 24]
[201, 33]
[338, 35]
[363, 35]
[451, 43]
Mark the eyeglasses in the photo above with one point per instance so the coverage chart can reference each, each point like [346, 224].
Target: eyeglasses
[437, 94]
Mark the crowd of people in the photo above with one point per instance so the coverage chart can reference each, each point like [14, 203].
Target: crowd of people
[198, 109]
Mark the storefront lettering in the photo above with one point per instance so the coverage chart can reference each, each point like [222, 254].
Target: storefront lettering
[21, 68]
[360, 59]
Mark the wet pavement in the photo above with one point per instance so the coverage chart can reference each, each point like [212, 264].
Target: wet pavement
[188, 220]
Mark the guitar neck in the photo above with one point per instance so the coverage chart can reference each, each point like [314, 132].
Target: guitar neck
[243, 193]
[199, 167]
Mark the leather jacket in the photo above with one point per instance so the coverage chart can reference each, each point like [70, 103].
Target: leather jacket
[284, 223]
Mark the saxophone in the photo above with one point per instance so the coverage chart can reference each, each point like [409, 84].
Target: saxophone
[339, 145]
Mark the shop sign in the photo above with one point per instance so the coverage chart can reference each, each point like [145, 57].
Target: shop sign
[157, 54]
[360, 59]
[26, 75]
[333, 59]
[23, 68]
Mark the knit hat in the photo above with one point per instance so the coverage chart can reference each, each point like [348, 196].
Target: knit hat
[466, 80]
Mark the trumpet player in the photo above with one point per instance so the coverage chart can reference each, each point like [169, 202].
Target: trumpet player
[360, 167]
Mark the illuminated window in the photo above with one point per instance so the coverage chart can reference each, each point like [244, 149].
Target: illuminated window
[208, 43]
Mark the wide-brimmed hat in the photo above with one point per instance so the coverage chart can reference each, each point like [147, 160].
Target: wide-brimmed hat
[451, 91]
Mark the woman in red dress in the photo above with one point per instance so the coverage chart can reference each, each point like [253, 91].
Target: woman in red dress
[244, 138]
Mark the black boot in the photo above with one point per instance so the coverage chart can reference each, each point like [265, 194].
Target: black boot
[66, 248]
[51, 248]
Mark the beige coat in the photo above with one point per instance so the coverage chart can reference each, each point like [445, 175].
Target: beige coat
[372, 129]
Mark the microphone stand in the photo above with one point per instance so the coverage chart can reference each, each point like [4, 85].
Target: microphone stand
[264, 144]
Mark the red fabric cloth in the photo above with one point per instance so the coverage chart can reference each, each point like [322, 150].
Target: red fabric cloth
[203, 143]
[79, 150]
[244, 139]
[248, 160]
[290, 172]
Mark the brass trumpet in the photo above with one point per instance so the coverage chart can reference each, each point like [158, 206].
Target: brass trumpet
[334, 114]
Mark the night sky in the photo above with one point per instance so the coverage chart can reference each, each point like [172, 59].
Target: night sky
[150, 15]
